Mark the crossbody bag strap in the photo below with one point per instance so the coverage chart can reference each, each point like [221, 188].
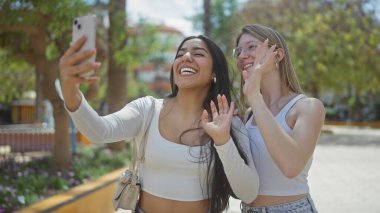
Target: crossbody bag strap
[132, 166]
[141, 152]
[145, 136]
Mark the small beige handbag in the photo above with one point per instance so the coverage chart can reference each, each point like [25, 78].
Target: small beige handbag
[128, 186]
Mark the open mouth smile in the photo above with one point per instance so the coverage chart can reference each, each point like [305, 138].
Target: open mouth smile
[187, 71]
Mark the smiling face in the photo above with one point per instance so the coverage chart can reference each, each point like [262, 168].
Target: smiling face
[245, 52]
[256, 34]
[192, 67]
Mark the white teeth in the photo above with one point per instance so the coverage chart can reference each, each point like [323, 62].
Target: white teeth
[247, 66]
[187, 71]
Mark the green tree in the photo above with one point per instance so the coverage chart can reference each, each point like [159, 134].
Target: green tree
[38, 32]
[117, 73]
[216, 21]
[143, 46]
[16, 77]
[334, 44]
[207, 17]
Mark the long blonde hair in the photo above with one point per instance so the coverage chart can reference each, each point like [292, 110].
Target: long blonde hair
[287, 74]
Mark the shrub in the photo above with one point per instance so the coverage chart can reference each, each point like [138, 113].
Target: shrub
[24, 184]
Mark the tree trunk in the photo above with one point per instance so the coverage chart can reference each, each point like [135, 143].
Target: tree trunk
[206, 17]
[62, 146]
[117, 73]
[62, 150]
[355, 111]
[49, 73]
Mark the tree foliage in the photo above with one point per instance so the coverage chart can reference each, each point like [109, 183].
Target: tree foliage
[221, 21]
[20, 23]
[144, 46]
[334, 45]
[16, 77]
[38, 32]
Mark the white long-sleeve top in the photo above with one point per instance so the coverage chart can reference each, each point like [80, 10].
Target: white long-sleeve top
[170, 170]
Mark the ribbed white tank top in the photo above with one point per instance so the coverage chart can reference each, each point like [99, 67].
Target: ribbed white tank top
[272, 180]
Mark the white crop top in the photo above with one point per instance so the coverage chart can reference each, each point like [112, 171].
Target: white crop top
[272, 180]
[170, 170]
[166, 163]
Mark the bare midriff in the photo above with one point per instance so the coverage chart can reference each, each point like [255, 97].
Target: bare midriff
[153, 204]
[269, 200]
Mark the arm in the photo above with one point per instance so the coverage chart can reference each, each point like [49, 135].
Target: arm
[117, 126]
[291, 152]
[114, 127]
[243, 178]
[70, 69]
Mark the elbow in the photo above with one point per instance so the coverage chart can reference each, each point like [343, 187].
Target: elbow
[94, 138]
[292, 169]
[253, 196]
[291, 175]
[291, 172]
[97, 141]
[253, 192]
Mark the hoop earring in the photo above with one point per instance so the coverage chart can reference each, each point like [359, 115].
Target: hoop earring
[214, 80]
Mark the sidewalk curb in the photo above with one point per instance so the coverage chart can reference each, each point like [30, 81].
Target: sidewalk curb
[349, 135]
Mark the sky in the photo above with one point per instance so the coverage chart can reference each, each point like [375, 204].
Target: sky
[172, 13]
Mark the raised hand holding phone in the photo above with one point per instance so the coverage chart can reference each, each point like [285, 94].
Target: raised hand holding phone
[85, 26]
[77, 64]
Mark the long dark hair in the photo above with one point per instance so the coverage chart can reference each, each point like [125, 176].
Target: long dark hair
[220, 187]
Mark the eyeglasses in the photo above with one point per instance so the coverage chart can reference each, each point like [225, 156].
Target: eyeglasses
[246, 49]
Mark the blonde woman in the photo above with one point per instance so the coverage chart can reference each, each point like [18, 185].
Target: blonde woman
[283, 124]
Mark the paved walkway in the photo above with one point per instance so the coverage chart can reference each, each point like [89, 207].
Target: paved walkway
[345, 174]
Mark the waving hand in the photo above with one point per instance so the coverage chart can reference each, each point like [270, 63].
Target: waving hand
[264, 63]
[219, 127]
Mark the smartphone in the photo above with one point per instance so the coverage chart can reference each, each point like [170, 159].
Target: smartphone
[85, 26]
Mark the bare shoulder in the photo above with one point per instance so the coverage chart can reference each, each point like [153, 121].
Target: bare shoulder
[311, 107]
[307, 110]
[310, 103]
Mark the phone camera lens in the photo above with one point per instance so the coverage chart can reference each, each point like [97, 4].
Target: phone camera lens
[79, 26]
[75, 22]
